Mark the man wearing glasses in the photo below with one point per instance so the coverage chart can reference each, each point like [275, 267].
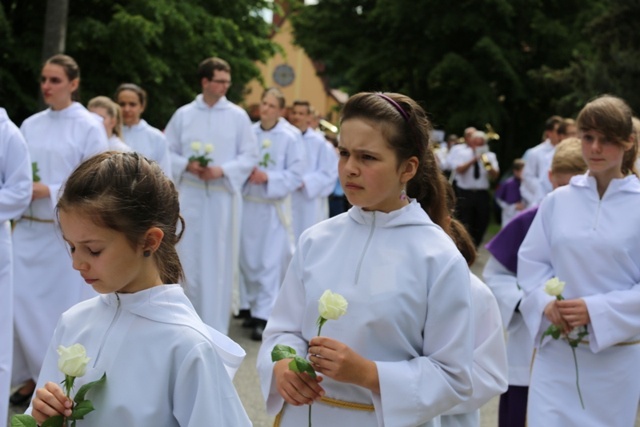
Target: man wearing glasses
[213, 151]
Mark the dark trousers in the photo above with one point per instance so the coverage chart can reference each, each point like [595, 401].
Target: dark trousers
[473, 209]
[513, 407]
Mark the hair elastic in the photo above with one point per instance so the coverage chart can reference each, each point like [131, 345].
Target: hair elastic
[395, 105]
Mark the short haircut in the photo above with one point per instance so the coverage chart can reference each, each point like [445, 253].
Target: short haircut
[517, 164]
[568, 157]
[564, 124]
[277, 93]
[208, 66]
[551, 122]
[299, 102]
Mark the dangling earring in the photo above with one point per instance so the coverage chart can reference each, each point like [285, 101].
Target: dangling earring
[403, 195]
[146, 253]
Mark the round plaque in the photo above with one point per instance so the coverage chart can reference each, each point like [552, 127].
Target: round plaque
[283, 75]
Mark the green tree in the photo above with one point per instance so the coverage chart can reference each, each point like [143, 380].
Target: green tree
[156, 44]
[470, 62]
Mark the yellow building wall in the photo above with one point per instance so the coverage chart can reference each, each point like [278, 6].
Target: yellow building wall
[306, 84]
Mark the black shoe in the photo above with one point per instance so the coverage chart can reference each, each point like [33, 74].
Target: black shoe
[256, 334]
[19, 399]
[249, 322]
[245, 313]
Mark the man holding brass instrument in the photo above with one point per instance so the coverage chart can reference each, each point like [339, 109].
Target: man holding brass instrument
[475, 166]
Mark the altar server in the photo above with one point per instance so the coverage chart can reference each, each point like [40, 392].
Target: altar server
[111, 115]
[402, 353]
[137, 133]
[266, 243]
[120, 217]
[15, 195]
[210, 195]
[59, 139]
[586, 234]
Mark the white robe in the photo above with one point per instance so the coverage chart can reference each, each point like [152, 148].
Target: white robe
[593, 245]
[162, 363]
[45, 284]
[310, 204]
[150, 142]
[535, 175]
[117, 144]
[15, 195]
[504, 285]
[409, 311]
[267, 237]
[489, 374]
[210, 247]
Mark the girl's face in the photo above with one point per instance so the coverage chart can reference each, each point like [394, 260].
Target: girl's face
[368, 168]
[56, 87]
[108, 121]
[105, 258]
[131, 106]
[602, 155]
[269, 110]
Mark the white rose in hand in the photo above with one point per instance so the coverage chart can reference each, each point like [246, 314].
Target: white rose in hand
[554, 287]
[196, 146]
[73, 360]
[208, 148]
[331, 305]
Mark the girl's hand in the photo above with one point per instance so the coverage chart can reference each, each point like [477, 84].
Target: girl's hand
[40, 191]
[50, 400]
[296, 389]
[211, 172]
[552, 313]
[339, 362]
[574, 312]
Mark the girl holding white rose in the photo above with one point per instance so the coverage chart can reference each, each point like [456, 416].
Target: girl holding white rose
[119, 215]
[402, 353]
[586, 234]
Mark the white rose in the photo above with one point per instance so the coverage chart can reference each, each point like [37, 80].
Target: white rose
[208, 148]
[266, 143]
[196, 146]
[331, 305]
[554, 287]
[73, 360]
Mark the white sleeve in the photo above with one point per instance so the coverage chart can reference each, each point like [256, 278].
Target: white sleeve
[531, 189]
[321, 181]
[284, 181]
[237, 171]
[15, 173]
[504, 285]
[172, 134]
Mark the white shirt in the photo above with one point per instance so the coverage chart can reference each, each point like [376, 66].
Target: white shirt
[466, 180]
[409, 311]
[162, 364]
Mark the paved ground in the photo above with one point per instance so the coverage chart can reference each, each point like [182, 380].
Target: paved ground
[246, 380]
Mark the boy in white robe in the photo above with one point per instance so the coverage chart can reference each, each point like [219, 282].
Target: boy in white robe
[210, 196]
[309, 202]
[15, 195]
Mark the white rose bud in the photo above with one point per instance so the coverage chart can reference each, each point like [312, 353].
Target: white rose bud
[196, 146]
[554, 287]
[208, 148]
[266, 143]
[332, 306]
[73, 360]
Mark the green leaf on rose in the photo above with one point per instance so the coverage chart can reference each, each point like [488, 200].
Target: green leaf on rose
[80, 396]
[81, 409]
[23, 420]
[300, 365]
[55, 421]
[281, 351]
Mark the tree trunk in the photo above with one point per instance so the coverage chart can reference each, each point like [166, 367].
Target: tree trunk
[55, 32]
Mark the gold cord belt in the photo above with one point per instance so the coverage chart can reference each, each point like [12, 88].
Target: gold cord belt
[34, 219]
[336, 404]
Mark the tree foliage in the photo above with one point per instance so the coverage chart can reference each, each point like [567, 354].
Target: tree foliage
[156, 44]
[511, 63]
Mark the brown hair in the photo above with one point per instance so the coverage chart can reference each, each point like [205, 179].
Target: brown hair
[113, 110]
[564, 125]
[407, 137]
[518, 164]
[612, 117]
[301, 103]
[457, 231]
[71, 69]
[567, 157]
[130, 194]
[142, 94]
[208, 66]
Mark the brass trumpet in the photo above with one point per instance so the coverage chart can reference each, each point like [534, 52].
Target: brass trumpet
[485, 162]
[491, 134]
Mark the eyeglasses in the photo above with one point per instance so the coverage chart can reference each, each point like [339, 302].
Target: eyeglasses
[222, 82]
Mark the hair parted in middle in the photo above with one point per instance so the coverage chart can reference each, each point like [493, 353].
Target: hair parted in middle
[407, 136]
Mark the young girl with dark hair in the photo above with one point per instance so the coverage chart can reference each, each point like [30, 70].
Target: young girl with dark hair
[402, 354]
[119, 214]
